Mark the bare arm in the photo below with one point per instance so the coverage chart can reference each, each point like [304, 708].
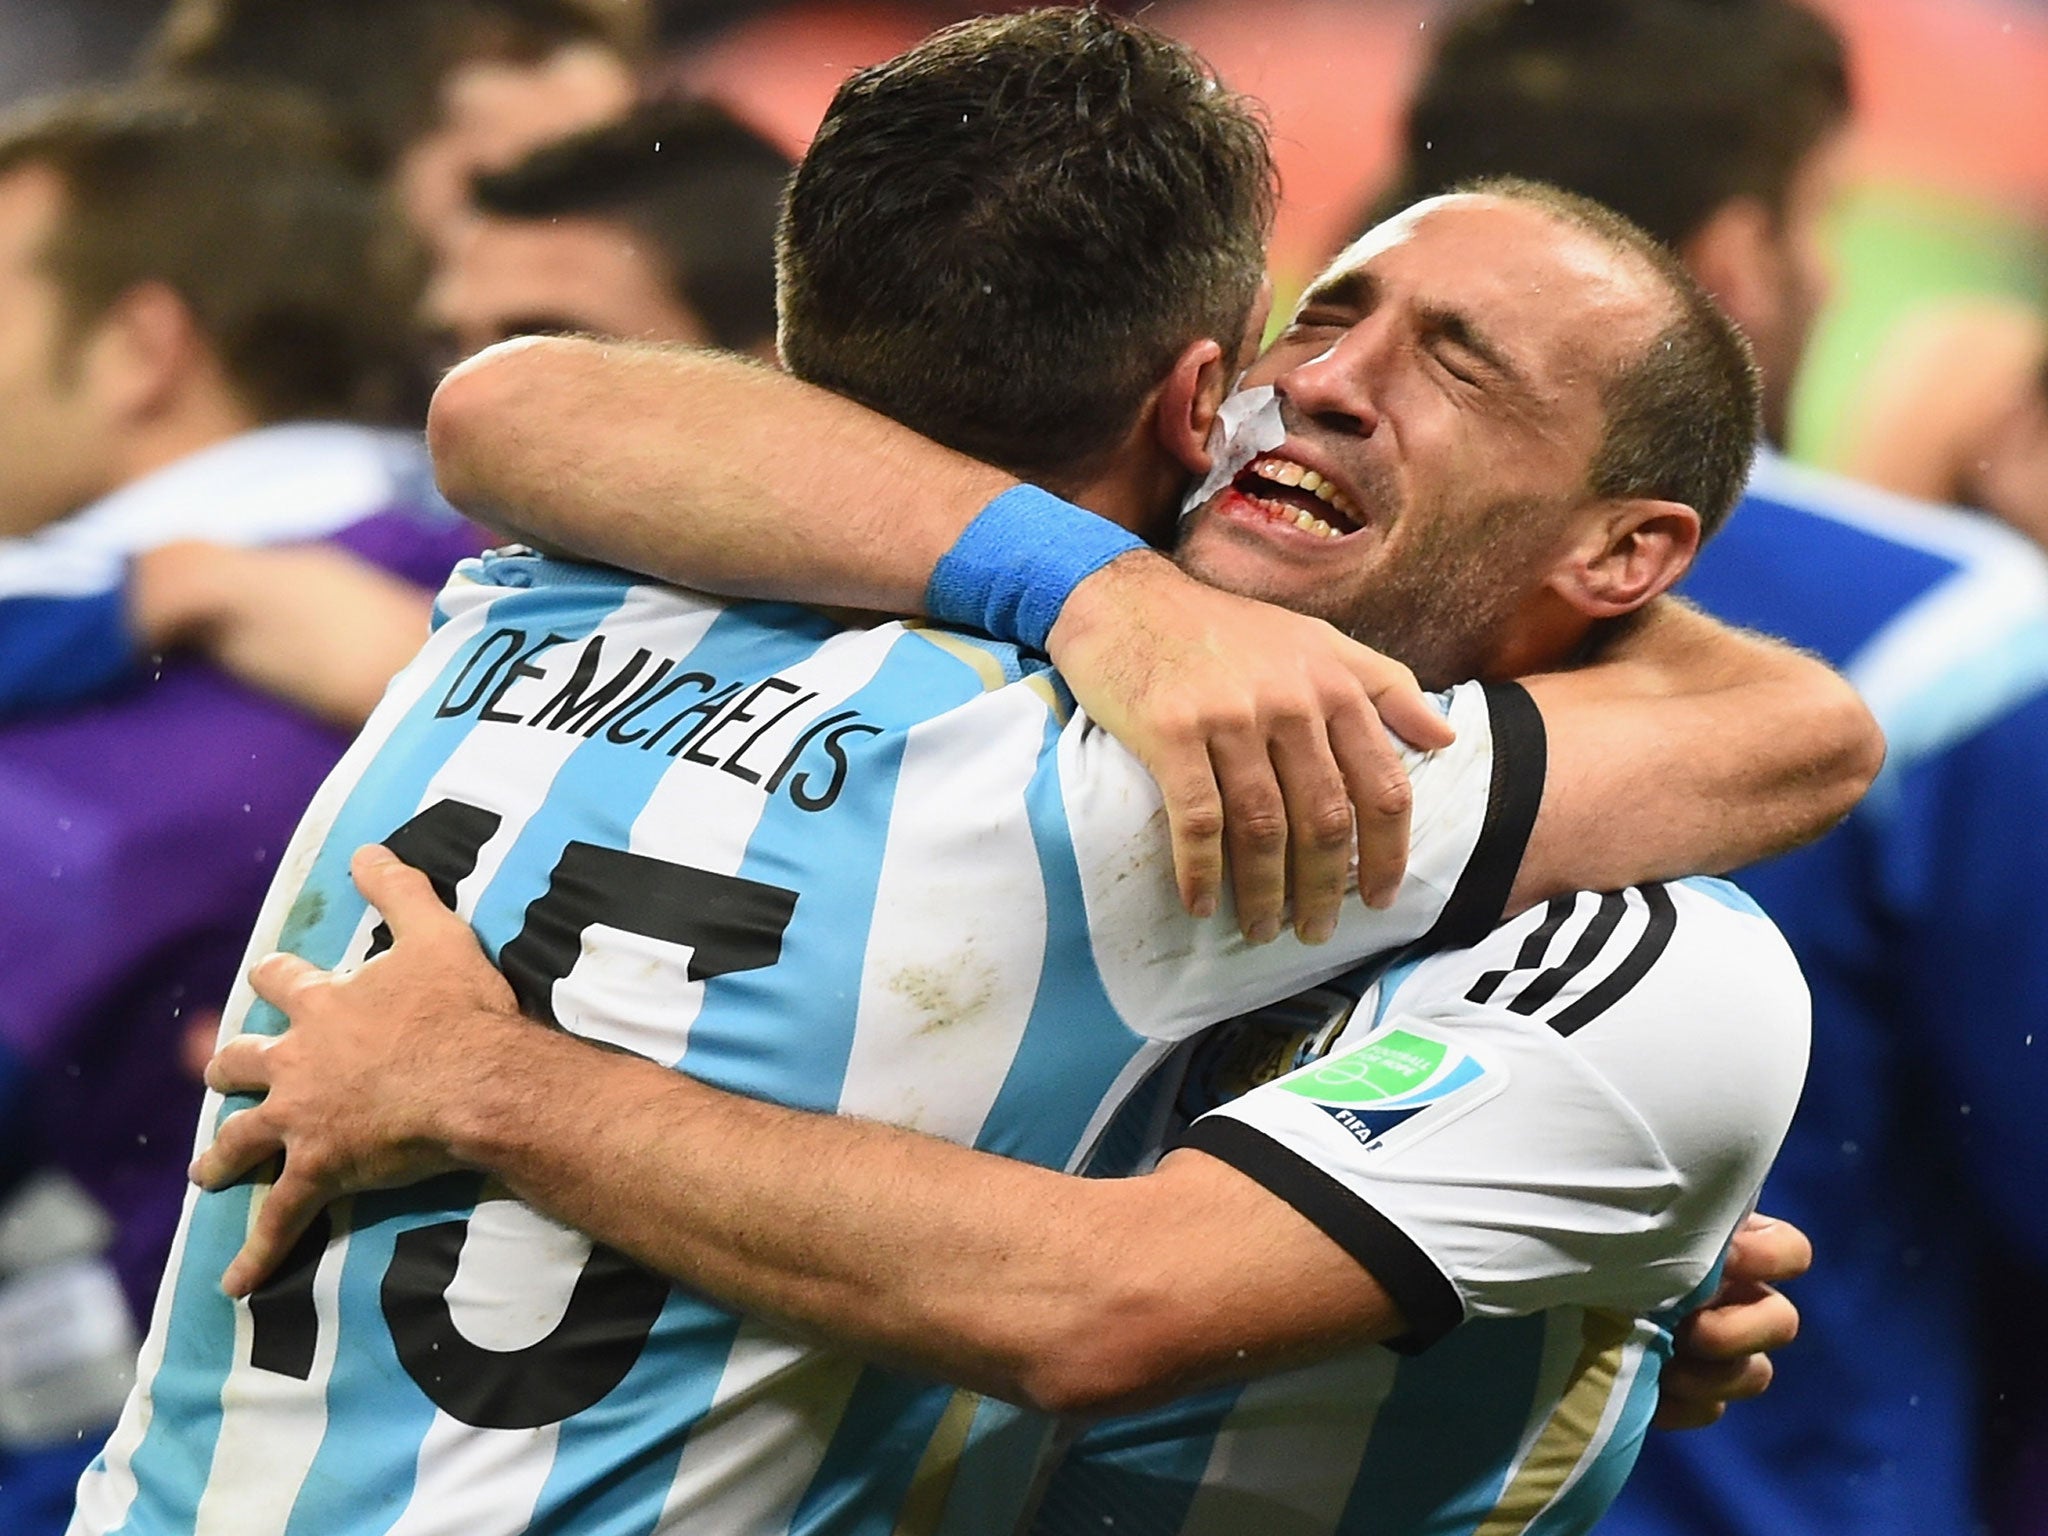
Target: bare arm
[1069, 1294]
[1262, 727]
[311, 624]
[1690, 748]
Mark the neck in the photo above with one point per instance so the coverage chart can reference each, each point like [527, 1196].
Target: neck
[193, 423]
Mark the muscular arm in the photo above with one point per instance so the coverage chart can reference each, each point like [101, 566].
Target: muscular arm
[1688, 748]
[915, 1251]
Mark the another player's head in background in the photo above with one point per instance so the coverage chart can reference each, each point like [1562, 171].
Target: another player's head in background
[1010, 235]
[659, 227]
[177, 267]
[1510, 418]
[1717, 125]
[429, 91]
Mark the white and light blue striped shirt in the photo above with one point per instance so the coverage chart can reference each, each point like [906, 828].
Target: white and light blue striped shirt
[875, 871]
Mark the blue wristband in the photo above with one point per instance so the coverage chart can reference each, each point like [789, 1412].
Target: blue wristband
[1013, 568]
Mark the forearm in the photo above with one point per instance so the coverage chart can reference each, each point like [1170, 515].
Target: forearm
[1062, 1293]
[1691, 747]
[702, 469]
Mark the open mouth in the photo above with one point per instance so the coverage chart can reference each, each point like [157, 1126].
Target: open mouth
[1287, 492]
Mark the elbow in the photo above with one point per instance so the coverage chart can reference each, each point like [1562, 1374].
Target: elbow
[1857, 753]
[1112, 1354]
[480, 414]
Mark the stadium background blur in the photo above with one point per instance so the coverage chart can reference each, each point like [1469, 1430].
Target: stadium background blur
[1948, 207]
[1950, 193]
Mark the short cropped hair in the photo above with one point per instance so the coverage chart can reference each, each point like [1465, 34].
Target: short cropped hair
[377, 66]
[296, 268]
[1004, 236]
[1662, 109]
[702, 188]
[1684, 417]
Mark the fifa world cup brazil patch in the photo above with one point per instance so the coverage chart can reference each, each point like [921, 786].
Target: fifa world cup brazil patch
[1391, 1079]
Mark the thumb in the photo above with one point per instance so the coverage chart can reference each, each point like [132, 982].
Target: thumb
[403, 897]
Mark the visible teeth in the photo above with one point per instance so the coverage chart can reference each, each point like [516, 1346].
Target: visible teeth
[1287, 472]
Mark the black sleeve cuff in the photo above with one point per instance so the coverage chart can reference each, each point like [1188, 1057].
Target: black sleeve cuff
[1427, 1300]
[1520, 755]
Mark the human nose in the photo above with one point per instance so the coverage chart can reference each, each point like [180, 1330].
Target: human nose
[1337, 388]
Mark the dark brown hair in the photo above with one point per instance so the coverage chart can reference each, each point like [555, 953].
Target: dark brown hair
[377, 66]
[294, 267]
[1004, 236]
[698, 185]
[1662, 109]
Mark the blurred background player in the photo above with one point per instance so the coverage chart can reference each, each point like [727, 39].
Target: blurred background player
[1718, 124]
[659, 227]
[429, 92]
[198, 302]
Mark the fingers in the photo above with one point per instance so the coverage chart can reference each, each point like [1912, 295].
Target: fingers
[281, 1217]
[1400, 702]
[403, 897]
[1381, 800]
[245, 1141]
[241, 1066]
[1766, 1251]
[1319, 827]
[1254, 831]
[1194, 816]
[279, 978]
[1692, 1396]
[1745, 1320]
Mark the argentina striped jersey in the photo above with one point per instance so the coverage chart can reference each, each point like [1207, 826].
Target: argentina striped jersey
[1539, 1146]
[873, 871]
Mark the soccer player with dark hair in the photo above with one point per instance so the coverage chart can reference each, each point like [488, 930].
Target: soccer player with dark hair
[1720, 125]
[877, 869]
[659, 227]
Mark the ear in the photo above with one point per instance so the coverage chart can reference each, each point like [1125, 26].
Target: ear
[1632, 551]
[1188, 399]
[1735, 255]
[144, 352]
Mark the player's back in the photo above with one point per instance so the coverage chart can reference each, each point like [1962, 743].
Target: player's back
[832, 867]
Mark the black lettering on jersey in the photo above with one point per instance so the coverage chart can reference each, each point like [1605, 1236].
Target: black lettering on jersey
[704, 711]
[505, 643]
[576, 704]
[616, 732]
[800, 795]
[735, 765]
[522, 668]
[741, 713]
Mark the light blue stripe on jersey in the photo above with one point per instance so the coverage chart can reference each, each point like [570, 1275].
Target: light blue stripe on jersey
[373, 1429]
[774, 1033]
[1075, 1043]
[1138, 1474]
[866, 1473]
[1726, 892]
[1436, 1441]
[200, 1349]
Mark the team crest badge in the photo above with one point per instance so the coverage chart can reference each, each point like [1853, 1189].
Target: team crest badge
[1386, 1082]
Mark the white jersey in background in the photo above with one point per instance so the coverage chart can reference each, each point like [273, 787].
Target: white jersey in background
[876, 871]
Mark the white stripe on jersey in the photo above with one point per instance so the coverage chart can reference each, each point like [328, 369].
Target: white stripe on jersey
[751, 1459]
[108, 1489]
[1283, 1454]
[947, 989]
